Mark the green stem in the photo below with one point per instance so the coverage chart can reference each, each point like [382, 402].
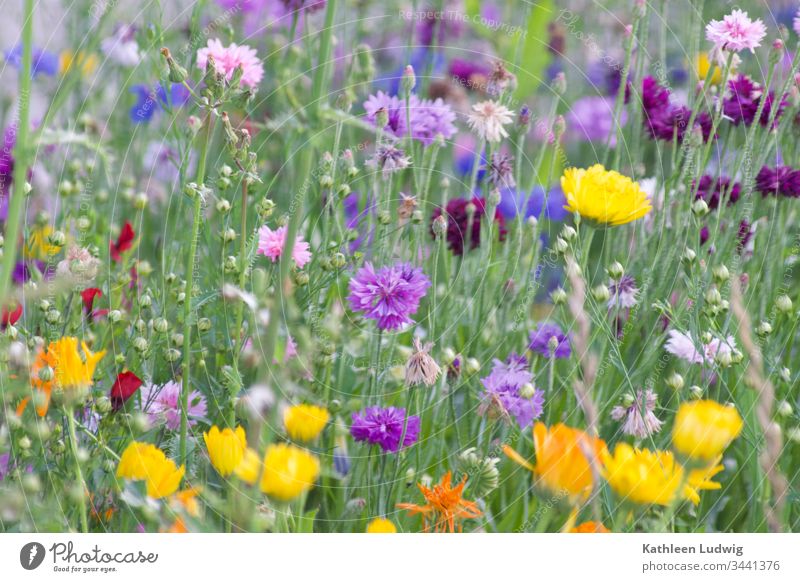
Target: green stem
[325, 43]
[186, 385]
[73, 445]
[238, 341]
[21, 151]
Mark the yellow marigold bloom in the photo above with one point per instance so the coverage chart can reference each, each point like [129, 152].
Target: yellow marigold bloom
[38, 246]
[225, 448]
[700, 480]
[71, 370]
[703, 65]
[703, 429]
[604, 197]
[68, 59]
[590, 527]
[564, 458]
[642, 476]
[250, 467]
[143, 461]
[288, 471]
[381, 525]
[304, 422]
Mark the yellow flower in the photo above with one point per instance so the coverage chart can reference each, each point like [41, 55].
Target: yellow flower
[381, 525]
[604, 197]
[71, 371]
[288, 471]
[87, 63]
[563, 463]
[703, 65]
[187, 500]
[38, 246]
[642, 476]
[163, 478]
[703, 429]
[700, 480]
[304, 422]
[225, 448]
[143, 461]
[250, 467]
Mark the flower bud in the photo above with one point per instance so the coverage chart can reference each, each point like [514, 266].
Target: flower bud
[601, 293]
[784, 304]
[615, 271]
[204, 324]
[696, 392]
[558, 296]
[57, 238]
[439, 226]
[140, 344]
[409, 80]
[700, 207]
[161, 325]
[713, 296]
[784, 409]
[675, 381]
[527, 390]
[764, 328]
[689, 255]
[472, 366]
[720, 273]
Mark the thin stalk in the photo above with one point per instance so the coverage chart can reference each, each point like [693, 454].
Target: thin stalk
[73, 445]
[21, 151]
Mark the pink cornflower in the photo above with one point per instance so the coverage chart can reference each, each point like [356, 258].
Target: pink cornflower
[227, 58]
[736, 32]
[271, 243]
[683, 346]
[162, 405]
[640, 421]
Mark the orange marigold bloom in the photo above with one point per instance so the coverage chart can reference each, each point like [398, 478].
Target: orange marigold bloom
[445, 508]
[44, 387]
[590, 527]
[564, 458]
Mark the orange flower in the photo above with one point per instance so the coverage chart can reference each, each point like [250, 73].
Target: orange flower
[564, 458]
[444, 506]
[590, 527]
[44, 360]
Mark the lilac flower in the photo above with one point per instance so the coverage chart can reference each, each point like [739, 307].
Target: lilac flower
[640, 421]
[501, 171]
[503, 397]
[390, 295]
[592, 119]
[388, 159]
[121, 47]
[427, 118]
[623, 293]
[549, 341]
[152, 99]
[162, 405]
[384, 427]
[5, 465]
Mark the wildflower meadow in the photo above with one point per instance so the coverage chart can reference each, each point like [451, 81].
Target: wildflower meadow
[348, 266]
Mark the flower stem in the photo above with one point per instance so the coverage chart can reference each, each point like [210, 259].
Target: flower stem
[21, 151]
[186, 386]
[73, 444]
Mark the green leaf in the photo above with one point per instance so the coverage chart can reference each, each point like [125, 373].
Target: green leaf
[305, 524]
[534, 57]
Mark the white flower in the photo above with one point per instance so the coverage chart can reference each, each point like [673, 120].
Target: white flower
[488, 119]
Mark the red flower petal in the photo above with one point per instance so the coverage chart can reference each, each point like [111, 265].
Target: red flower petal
[88, 296]
[124, 242]
[10, 317]
[125, 386]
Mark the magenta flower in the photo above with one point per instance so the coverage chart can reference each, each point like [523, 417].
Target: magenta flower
[390, 295]
[384, 427]
[163, 405]
[272, 242]
[736, 32]
[228, 58]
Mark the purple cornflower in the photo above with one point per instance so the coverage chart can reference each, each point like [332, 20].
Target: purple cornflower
[781, 180]
[549, 341]
[384, 427]
[501, 171]
[741, 105]
[162, 405]
[427, 118]
[623, 293]
[388, 159]
[712, 190]
[390, 295]
[640, 421]
[503, 397]
[592, 119]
